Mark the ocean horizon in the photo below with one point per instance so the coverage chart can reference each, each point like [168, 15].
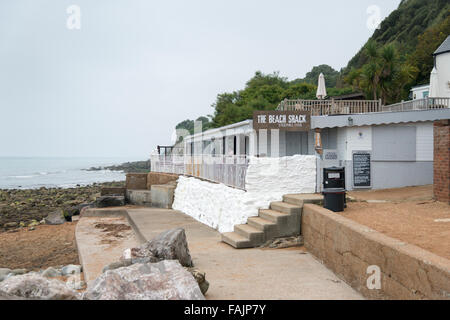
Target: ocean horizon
[57, 172]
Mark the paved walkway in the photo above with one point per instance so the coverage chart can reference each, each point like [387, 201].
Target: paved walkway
[252, 274]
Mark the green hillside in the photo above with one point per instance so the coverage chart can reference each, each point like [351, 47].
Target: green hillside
[403, 27]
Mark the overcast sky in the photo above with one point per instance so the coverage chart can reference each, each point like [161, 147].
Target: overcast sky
[135, 68]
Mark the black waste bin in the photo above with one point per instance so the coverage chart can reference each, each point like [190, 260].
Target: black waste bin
[334, 177]
[334, 199]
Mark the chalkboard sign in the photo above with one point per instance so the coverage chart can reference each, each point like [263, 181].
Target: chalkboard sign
[362, 169]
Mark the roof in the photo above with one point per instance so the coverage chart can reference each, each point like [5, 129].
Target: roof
[350, 96]
[444, 47]
[420, 86]
[379, 118]
[244, 126]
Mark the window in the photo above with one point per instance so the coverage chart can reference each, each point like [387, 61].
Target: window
[234, 145]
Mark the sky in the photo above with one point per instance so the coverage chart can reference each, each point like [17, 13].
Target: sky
[117, 85]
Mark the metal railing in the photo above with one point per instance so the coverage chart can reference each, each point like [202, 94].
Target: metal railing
[418, 105]
[229, 170]
[331, 107]
[336, 107]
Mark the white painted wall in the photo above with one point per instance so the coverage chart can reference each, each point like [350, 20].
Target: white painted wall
[420, 92]
[267, 180]
[443, 70]
[358, 138]
[424, 141]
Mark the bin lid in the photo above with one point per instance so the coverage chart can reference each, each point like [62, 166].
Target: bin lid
[334, 190]
[335, 169]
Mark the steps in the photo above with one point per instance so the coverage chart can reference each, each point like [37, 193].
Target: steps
[282, 219]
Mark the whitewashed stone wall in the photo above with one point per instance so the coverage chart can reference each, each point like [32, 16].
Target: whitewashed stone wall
[267, 180]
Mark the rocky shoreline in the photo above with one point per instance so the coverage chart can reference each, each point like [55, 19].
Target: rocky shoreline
[27, 207]
[127, 167]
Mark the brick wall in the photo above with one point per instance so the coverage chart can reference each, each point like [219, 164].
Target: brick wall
[442, 160]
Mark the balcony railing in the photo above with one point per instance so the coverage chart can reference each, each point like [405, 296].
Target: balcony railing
[336, 107]
[418, 105]
[229, 170]
[331, 107]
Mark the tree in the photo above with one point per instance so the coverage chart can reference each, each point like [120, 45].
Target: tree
[331, 75]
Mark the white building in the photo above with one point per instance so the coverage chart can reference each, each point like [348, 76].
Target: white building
[442, 65]
[420, 92]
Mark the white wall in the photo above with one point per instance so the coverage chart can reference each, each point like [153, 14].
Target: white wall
[443, 70]
[267, 180]
[358, 138]
[424, 141]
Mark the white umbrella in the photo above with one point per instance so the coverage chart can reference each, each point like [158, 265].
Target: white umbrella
[434, 90]
[321, 88]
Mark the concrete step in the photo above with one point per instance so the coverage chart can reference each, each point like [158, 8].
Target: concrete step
[255, 236]
[261, 224]
[274, 216]
[286, 208]
[236, 240]
[300, 199]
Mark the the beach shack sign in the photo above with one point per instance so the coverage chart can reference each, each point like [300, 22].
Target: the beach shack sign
[282, 120]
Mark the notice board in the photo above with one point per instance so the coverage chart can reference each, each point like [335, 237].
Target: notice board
[362, 169]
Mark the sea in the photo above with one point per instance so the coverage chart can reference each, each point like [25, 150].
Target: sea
[37, 172]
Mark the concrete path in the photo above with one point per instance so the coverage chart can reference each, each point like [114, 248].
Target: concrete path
[251, 274]
[100, 242]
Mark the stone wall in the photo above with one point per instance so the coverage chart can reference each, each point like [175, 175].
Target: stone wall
[158, 178]
[136, 181]
[349, 249]
[442, 161]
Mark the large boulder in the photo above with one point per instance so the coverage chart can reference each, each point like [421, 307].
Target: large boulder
[170, 245]
[109, 201]
[55, 218]
[165, 280]
[36, 286]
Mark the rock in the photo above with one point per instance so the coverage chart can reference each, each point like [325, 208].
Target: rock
[136, 253]
[17, 272]
[282, 243]
[10, 225]
[70, 269]
[200, 278]
[5, 296]
[3, 273]
[117, 265]
[51, 273]
[76, 285]
[55, 218]
[35, 286]
[33, 223]
[170, 245]
[109, 201]
[165, 280]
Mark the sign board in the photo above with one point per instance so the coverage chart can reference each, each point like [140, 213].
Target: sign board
[282, 120]
[330, 155]
[362, 169]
